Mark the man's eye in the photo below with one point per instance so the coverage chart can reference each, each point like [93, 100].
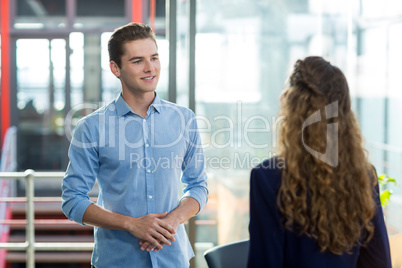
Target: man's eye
[136, 62]
[154, 59]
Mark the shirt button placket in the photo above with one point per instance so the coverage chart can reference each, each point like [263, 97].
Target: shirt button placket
[149, 167]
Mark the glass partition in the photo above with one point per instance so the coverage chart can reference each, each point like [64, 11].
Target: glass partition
[93, 13]
[96, 8]
[77, 68]
[41, 81]
[52, 14]
[379, 94]
[111, 85]
[40, 14]
[244, 53]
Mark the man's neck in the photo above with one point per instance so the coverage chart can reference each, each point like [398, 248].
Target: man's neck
[140, 102]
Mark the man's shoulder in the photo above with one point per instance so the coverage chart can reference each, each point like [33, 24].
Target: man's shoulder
[174, 107]
[97, 113]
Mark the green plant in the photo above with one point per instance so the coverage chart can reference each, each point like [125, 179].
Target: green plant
[385, 193]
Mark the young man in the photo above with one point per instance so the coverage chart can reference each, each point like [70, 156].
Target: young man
[138, 148]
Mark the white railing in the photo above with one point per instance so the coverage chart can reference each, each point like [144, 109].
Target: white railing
[30, 246]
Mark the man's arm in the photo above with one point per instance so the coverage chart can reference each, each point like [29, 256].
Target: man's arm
[187, 208]
[151, 227]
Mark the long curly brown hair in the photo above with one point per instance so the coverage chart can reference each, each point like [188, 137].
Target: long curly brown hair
[328, 198]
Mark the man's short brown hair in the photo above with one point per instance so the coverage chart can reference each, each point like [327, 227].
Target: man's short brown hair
[126, 33]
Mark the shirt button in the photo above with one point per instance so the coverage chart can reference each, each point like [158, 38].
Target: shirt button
[146, 145]
[150, 196]
[148, 171]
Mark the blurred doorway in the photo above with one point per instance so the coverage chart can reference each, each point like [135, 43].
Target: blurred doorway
[43, 97]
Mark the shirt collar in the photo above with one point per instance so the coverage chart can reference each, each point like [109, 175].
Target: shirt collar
[156, 104]
[123, 108]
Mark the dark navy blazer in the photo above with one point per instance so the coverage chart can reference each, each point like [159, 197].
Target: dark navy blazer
[271, 245]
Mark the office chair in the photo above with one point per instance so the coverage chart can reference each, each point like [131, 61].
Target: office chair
[233, 255]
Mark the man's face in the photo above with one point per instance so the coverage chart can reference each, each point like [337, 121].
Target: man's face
[140, 66]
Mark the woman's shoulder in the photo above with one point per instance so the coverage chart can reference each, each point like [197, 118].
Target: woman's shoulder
[268, 172]
[273, 164]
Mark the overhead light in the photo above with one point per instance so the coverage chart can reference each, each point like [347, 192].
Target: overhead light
[29, 26]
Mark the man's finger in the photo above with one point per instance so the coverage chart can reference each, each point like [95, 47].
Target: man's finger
[168, 235]
[156, 240]
[144, 245]
[162, 238]
[167, 227]
[152, 240]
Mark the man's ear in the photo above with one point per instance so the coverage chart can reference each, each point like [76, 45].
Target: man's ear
[114, 68]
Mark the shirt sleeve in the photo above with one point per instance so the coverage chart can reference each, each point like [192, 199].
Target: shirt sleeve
[267, 235]
[193, 167]
[81, 173]
[377, 252]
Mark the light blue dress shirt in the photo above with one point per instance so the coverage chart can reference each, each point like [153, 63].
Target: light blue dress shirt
[138, 164]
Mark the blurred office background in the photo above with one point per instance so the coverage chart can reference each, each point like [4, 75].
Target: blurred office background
[225, 59]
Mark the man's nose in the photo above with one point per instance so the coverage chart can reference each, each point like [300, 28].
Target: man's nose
[149, 67]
